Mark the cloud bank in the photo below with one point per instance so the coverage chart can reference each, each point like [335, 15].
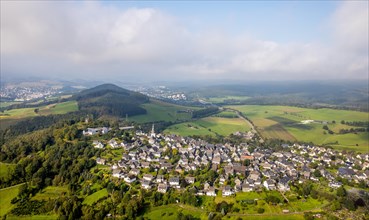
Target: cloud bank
[95, 41]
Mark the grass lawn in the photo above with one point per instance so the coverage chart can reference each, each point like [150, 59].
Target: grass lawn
[6, 196]
[161, 111]
[5, 168]
[285, 122]
[50, 192]
[209, 126]
[94, 197]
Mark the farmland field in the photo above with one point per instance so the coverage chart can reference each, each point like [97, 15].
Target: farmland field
[6, 196]
[284, 122]
[161, 111]
[210, 126]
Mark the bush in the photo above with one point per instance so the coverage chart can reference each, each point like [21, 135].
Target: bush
[261, 210]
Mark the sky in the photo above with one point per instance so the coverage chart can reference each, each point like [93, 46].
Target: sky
[185, 40]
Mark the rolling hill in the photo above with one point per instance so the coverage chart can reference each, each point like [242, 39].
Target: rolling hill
[109, 99]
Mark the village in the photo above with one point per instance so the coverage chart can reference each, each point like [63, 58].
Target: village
[163, 161]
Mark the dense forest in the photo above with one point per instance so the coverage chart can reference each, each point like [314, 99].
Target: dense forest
[108, 99]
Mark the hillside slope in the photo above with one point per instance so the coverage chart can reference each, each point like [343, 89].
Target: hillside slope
[109, 99]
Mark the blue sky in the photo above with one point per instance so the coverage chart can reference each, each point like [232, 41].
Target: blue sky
[184, 40]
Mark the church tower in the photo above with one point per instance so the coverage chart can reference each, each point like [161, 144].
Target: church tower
[153, 131]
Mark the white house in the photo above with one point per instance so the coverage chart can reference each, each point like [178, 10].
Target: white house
[162, 188]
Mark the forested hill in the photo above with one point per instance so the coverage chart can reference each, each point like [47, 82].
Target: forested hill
[109, 99]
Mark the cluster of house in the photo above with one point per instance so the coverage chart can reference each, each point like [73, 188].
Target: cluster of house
[237, 168]
[94, 131]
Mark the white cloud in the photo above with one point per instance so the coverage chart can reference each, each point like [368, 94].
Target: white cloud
[84, 38]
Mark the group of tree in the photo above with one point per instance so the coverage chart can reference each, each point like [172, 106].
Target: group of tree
[205, 112]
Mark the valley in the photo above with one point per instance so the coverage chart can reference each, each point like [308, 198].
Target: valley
[228, 159]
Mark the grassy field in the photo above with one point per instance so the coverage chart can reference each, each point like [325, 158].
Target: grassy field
[60, 108]
[160, 111]
[11, 117]
[6, 104]
[170, 212]
[94, 197]
[6, 196]
[227, 114]
[51, 192]
[209, 126]
[5, 168]
[284, 122]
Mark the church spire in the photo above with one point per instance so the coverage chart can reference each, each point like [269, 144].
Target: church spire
[153, 130]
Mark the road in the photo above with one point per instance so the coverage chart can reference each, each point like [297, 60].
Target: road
[240, 115]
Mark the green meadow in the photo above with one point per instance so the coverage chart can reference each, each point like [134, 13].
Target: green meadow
[11, 117]
[209, 126]
[59, 108]
[6, 196]
[171, 211]
[6, 104]
[50, 192]
[94, 197]
[285, 122]
[161, 111]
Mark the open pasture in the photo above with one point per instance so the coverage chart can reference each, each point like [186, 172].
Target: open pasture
[59, 108]
[209, 126]
[285, 122]
[6, 196]
[161, 111]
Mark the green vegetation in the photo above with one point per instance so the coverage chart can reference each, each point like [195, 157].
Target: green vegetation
[172, 211]
[210, 126]
[109, 99]
[6, 169]
[91, 199]
[227, 99]
[287, 123]
[6, 104]
[50, 192]
[60, 108]
[161, 111]
[6, 196]
[33, 217]
[227, 114]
